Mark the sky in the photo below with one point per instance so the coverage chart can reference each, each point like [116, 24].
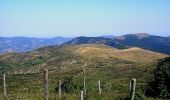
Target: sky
[69, 18]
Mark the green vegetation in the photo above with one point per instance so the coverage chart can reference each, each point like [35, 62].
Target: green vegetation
[71, 64]
[8, 65]
[30, 86]
[5, 65]
[159, 84]
[69, 85]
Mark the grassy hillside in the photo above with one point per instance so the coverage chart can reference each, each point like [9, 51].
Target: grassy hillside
[133, 54]
[113, 67]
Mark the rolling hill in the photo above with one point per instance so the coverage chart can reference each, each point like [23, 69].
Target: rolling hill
[141, 40]
[53, 56]
[133, 54]
[71, 64]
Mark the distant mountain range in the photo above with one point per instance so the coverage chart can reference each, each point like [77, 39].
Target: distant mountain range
[142, 40]
[21, 44]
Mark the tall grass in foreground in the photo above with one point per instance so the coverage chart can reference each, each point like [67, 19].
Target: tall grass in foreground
[31, 86]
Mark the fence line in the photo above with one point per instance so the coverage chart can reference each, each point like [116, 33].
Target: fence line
[132, 87]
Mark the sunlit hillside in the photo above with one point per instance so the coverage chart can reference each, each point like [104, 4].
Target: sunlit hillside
[91, 61]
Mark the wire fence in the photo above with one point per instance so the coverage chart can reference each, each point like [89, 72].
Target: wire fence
[45, 87]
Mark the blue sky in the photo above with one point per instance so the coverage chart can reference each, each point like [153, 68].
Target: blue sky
[49, 18]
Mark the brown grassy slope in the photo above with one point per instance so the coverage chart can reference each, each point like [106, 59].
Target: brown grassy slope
[132, 54]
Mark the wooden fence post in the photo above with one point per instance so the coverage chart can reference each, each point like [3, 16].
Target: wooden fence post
[59, 90]
[133, 86]
[46, 83]
[5, 90]
[100, 92]
[130, 86]
[84, 86]
[110, 87]
[81, 95]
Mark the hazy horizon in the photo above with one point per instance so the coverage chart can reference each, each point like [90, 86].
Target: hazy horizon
[109, 35]
[51, 18]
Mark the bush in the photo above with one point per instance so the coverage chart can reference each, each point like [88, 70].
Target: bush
[159, 85]
[70, 85]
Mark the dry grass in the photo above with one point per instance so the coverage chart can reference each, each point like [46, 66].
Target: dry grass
[132, 54]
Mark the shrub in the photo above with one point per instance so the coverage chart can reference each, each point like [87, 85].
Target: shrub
[159, 85]
[70, 85]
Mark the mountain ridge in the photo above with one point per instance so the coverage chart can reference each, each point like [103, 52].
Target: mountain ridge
[141, 40]
[23, 44]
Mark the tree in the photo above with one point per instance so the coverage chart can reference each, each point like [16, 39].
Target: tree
[159, 86]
